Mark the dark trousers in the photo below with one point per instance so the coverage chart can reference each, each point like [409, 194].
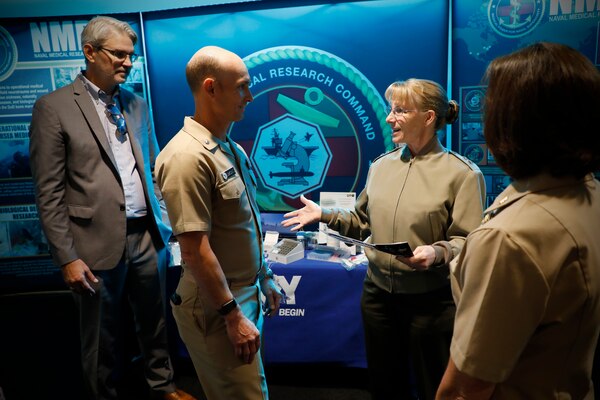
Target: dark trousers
[407, 340]
[137, 282]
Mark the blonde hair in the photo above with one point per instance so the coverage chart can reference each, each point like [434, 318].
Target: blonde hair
[424, 95]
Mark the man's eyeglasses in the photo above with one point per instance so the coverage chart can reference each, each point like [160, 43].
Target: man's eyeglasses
[120, 54]
[398, 111]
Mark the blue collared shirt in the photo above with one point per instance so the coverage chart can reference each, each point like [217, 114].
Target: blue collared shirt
[120, 145]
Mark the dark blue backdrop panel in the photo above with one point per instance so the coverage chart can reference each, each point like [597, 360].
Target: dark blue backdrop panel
[318, 76]
[481, 33]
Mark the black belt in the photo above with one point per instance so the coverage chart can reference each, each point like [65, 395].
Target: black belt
[137, 224]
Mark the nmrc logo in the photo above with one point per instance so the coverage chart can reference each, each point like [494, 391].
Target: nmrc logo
[56, 36]
[515, 18]
[573, 6]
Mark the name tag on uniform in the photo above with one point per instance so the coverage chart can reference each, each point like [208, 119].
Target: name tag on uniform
[228, 174]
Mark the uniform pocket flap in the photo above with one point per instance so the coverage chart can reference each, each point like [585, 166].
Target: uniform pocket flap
[232, 188]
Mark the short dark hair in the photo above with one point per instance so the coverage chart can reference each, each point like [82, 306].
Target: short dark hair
[542, 112]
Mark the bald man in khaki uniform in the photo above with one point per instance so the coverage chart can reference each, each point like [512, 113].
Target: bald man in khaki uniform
[210, 194]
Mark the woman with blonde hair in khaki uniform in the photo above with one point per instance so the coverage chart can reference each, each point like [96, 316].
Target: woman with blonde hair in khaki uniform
[431, 197]
[527, 284]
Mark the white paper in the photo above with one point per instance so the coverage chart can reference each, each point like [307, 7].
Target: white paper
[345, 200]
[271, 238]
[338, 199]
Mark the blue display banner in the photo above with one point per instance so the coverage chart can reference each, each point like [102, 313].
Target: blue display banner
[484, 30]
[318, 117]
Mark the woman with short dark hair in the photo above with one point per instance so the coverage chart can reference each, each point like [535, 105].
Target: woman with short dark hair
[527, 284]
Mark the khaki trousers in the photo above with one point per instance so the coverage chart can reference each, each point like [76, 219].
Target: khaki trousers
[222, 374]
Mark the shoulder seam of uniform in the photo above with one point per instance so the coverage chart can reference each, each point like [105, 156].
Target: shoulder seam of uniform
[386, 153]
[464, 159]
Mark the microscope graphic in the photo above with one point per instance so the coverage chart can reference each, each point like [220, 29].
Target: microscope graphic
[291, 150]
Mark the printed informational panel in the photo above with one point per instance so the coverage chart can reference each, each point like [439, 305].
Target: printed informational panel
[37, 56]
[318, 74]
[484, 30]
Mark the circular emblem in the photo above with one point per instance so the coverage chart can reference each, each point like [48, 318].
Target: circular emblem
[474, 153]
[315, 124]
[8, 54]
[474, 100]
[515, 18]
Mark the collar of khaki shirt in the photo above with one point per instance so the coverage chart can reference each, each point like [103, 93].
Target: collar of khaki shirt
[203, 136]
[523, 187]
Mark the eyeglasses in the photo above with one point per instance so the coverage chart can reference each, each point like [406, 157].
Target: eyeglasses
[120, 54]
[398, 111]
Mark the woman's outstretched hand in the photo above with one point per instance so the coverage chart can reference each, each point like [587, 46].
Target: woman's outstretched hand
[311, 212]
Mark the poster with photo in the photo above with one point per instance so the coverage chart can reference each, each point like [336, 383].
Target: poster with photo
[16, 186]
[21, 234]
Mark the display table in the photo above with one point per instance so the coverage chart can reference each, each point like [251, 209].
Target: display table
[320, 321]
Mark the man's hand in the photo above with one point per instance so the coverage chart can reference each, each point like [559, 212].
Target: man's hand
[308, 214]
[272, 294]
[422, 258]
[78, 276]
[243, 334]
[457, 385]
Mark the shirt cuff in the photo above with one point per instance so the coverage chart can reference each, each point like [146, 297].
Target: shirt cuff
[327, 215]
[441, 254]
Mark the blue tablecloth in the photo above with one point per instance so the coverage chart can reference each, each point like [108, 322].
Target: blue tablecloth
[321, 321]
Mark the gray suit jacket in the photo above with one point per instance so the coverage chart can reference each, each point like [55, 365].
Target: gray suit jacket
[79, 194]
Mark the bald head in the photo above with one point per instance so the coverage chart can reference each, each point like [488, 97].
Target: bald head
[209, 62]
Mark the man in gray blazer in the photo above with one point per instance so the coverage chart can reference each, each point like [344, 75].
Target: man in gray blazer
[92, 150]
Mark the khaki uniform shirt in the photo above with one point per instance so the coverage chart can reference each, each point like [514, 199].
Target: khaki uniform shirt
[436, 196]
[527, 287]
[208, 186]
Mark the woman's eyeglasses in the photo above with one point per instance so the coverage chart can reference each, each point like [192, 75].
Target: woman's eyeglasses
[398, 111]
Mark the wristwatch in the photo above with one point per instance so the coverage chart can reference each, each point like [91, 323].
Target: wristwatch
[269, 273]
[227, 307]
